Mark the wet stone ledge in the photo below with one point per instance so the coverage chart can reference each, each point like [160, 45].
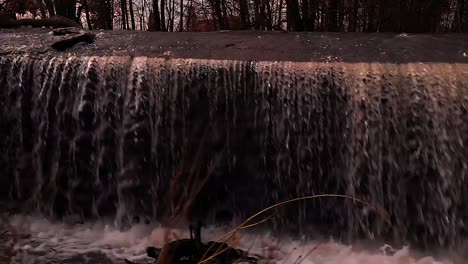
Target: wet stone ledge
[253, 46]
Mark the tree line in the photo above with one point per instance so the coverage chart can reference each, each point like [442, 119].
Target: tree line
[410, 16]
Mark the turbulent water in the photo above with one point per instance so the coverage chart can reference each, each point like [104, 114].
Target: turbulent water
[122, 137]
[101, 242]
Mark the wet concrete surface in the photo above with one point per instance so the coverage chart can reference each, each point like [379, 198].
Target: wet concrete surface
[253, 45]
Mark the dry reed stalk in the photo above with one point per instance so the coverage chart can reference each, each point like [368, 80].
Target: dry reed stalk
[219, 249]
[176, 237]
[167, 234]
[219, 252]
[382, 214]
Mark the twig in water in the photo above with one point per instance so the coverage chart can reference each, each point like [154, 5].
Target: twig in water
[4, 234]
[175, 236]
[308, 254]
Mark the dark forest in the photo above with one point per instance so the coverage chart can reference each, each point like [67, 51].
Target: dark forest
[412, 16]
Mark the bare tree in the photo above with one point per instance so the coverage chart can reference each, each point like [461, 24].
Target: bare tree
[132, 14]
[309, 15]
[181, 18]
[50, 7]
[87, 14]
[66, 8]
[155, 19]
[244, 14]
[102, 13]
[293, 16]
[124, 14]
[464, 15]
[309, 11]
[142, 14]
[163, 15]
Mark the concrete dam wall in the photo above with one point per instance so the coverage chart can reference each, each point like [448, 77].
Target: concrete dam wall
[165, 125]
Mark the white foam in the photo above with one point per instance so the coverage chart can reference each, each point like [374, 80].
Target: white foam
[59, 240]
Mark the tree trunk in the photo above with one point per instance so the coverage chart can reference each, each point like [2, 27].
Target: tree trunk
[225, 14]
[41, 10]
[218, 12]
[464, 15]
[103, 14]
[309, 11]
[66, 8]
[123, 10]
[172, 15]
[293, 16]
[50, 7]
[163, 15]
[155, 20]
[88, 17]
[269, 14]
[333, 16]
[181, 19]
[190, 13]
[110, 14]
[371, 16]
[341, 15]
[353, 25]
[263, 15]
[244, 14]
[305, 14]
[280, 14]
[256, 15]
[141, 17]
[170, 18]
[132, 14]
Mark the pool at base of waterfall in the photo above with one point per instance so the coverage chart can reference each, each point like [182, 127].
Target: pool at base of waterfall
[36, 240]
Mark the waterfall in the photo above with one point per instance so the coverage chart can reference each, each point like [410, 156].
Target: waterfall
[124, 136]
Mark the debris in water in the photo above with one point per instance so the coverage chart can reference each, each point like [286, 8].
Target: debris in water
[66, 43]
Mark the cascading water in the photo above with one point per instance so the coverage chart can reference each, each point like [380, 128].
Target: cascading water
[126, 136]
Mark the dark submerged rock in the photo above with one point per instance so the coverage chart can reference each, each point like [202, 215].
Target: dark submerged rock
[185, 251]
[153, 252]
